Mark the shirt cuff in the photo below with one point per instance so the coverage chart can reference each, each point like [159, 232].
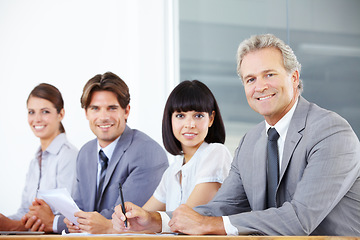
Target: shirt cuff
[55, 223]
[229, 228]
[165, 219]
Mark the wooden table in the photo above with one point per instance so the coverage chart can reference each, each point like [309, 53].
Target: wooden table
[169, 237]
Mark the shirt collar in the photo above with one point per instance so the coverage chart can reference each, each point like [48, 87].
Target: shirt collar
[56, 144]
[283, 124]
[109, 149]
[179, 164]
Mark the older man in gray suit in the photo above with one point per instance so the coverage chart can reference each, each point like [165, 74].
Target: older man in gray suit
[317, 190]
[119, 155]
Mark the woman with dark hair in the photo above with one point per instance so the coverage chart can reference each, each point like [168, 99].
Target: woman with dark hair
[55, 160]
[193, 129]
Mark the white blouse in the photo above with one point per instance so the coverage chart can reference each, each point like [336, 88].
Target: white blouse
[210, 163]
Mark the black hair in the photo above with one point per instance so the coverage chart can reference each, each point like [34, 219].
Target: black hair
[191, 96]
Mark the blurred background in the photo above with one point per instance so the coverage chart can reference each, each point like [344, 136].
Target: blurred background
[324, 34]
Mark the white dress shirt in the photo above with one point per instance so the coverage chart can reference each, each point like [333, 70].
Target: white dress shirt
[108, 150]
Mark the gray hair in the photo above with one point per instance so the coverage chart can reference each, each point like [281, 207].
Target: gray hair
[258, 42]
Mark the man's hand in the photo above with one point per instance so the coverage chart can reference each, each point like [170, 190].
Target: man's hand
[32, 223]
[7, 224]
[186, 220]
[138, 219]
[91, 222]
[71, 226]
[40, 217]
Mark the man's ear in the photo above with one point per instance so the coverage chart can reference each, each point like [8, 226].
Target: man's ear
[127, 111]
[295, 76]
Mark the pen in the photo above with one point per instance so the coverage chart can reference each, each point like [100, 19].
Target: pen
[122, 202]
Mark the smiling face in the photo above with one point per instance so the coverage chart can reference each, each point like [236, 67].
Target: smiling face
[270, 90]
[43, 119]
[191, 128]
[107, 119]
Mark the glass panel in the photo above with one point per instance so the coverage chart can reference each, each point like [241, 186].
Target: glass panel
[324, 34]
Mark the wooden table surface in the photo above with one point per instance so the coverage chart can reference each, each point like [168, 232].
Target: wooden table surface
[167, 237]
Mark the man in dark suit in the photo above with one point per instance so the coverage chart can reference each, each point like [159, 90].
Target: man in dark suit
[317, 162]
[119, 155]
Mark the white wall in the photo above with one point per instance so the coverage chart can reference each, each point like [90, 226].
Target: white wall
[65, 43]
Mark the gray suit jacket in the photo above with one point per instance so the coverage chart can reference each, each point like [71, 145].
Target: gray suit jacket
[319, 188]
[138, 163]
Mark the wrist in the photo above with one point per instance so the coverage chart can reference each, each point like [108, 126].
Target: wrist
[213, 226]
[17, 226]
[49, 226]
[156, 223]
[110, 228]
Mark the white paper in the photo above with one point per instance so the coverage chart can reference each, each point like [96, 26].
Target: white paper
[118, 234]
[61, 200]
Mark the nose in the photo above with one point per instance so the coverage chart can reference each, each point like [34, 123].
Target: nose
[37, 117]
[261, 85]
[190, 123]
[104, 115]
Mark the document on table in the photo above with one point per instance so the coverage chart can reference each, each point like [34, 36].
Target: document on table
[20, 233]
[119, 234]
[61, 200]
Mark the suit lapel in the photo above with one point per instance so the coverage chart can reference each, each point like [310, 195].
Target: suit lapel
[259, 167]
[122, 145]
[294, 135]
[92, 171]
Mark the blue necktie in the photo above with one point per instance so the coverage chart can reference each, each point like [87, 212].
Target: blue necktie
[272, 166]
[104, 163]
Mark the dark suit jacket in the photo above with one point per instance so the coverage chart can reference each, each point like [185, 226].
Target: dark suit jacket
[138, 163]
[319, 188]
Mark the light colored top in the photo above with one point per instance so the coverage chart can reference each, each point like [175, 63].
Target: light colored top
[210, 163]
[57, 171]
